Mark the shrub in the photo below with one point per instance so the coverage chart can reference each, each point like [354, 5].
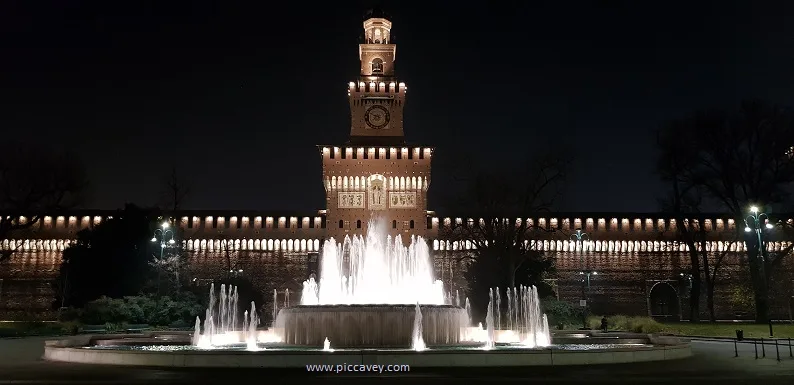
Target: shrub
[561, 313]
[644, 325]
[634, 324]
[594, 322]
[105, 310]
[150, 310]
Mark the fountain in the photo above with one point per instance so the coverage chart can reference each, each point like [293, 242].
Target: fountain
[221, 323]
[417, 339]
[366, 295]
[379, 302]
[327, 345]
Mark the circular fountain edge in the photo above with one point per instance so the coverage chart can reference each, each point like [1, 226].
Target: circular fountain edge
[73, 350]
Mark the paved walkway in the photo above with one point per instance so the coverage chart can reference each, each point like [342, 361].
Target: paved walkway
[714, 363]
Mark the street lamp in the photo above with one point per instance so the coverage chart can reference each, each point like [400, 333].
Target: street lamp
[688, 277]
[754, 222]
[579, 236]
[166, 238]
[586, 292]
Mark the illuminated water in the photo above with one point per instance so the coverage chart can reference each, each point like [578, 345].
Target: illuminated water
[379, 270]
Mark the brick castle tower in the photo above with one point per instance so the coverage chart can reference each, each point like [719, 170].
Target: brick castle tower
[376, 174]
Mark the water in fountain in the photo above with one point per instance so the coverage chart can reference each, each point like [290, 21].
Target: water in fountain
[526, 324]
[327, 345]
[196, 332]
[380, 271]
[251, 335]
[418, 342]
[220, 322]
[275, 306]
[489, 322]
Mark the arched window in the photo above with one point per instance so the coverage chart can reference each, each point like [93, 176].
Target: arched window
[377, 65]
[341, 223]
[358, 224]
[394, 224]
[412, 224]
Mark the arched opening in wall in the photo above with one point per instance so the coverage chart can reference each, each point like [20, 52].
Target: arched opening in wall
[358, 224]
[341, 223]
[411, 225]
[377, 66]
[664, 302]
[394, 224]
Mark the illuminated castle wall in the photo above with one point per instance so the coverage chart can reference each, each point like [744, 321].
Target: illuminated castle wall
[642, 268]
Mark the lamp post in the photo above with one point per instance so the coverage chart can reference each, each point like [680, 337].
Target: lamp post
[166, 237]
[757, 222]
[688, 277]
[578, 237]
[586, 292]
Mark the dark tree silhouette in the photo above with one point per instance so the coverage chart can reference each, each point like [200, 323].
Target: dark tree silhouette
[494, 200]
[34, 181]
[677, 165]
[738, 159]
[176, 191]
[110, 260]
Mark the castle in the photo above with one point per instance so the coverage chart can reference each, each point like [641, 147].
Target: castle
[642, 269]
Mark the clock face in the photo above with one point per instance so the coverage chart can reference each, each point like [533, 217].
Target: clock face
[377, 117]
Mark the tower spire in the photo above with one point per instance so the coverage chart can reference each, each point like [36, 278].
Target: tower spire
[376, 98]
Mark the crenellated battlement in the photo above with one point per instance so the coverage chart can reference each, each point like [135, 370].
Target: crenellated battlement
[192, 224]
[606, 225]
[393, 153]
[61, 228]
[361, 183]
[377, 88]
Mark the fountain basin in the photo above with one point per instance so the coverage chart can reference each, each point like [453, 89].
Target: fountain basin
[89, 350]
[369, 326]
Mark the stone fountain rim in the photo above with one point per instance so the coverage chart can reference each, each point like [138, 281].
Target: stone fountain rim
[72, 349]
[369, 306]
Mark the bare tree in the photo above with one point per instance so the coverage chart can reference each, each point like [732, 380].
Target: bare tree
[34, 181]
[176, 191]
[736, 160]
[711, 270]
[678, 157]
[494, 199]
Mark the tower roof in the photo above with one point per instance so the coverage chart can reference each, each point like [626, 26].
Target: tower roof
[376, 12]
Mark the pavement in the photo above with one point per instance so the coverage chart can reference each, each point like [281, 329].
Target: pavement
[714, 362]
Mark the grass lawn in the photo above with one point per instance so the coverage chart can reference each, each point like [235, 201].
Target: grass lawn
[24, 329]
[725, 329]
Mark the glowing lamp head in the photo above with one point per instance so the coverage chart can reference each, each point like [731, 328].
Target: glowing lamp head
[154, 239]
[171, 241]
[754, 209]
[748, 229]
[595, 273]
[769, 226]
[165, 225]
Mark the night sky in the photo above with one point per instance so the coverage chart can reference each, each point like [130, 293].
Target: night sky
[236, 97]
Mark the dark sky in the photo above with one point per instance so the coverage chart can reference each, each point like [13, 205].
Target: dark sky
[237, 96]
